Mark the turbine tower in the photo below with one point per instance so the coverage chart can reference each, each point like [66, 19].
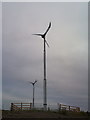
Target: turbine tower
[45, 83]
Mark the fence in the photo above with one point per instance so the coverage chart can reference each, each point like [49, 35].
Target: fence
[21, 106]
[28, 106]
[69, 108]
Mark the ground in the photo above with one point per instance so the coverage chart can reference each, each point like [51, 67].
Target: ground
[36, 114]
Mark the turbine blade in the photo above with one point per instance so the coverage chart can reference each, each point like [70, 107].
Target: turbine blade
[35, 81]
[31, 82]
[47, 43]
[48, 28]
[37, 34]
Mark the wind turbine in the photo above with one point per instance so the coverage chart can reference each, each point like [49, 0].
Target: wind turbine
[45, 91]
[33, 83]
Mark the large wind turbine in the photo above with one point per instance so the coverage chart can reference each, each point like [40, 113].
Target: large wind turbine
[45, 91]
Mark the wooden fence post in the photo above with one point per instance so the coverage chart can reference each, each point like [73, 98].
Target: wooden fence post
[59, 107]
[12, 107]
[30, 105]
[21, 106]
[69, 108]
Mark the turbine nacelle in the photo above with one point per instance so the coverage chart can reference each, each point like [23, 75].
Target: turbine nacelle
[33, 82]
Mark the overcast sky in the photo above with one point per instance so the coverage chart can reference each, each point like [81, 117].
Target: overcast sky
[67, 57]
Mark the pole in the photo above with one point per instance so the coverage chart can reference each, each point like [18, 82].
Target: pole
[45, 92]
[33, 95]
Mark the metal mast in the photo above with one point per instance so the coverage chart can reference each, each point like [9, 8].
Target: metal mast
[45, 85]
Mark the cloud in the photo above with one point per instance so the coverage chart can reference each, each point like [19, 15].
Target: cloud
[67, 57]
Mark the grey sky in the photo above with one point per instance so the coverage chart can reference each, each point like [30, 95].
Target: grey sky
[0, 55]
[67, 57]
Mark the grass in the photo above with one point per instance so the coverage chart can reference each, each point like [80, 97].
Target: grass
[42, 114]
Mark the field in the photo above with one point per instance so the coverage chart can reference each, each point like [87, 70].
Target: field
[38, 114]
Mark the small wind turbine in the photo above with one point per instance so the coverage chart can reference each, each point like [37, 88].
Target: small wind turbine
[33, 83]
[45, 91]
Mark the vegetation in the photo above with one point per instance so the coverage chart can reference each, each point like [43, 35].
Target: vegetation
[42, 114]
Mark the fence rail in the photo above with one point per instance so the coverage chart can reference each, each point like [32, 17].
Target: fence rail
[21, 106]
[70, 108]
